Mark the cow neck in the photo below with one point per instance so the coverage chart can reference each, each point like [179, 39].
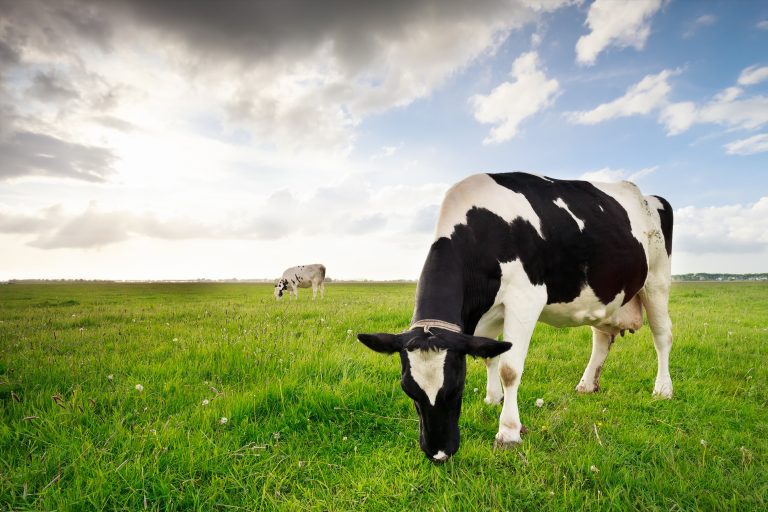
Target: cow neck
[440, 292]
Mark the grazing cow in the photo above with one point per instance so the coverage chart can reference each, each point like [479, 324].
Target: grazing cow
[512, 249]
[302, 276]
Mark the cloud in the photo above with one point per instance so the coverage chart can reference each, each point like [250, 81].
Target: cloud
[722, 229]
[749, 146]
[729, 107]
[298, 76]
[700, 22]
[510, 103]
[620, 24]
[641, 98]
[55, 228]
[762, 24]
[25, 153]
[608, 174]
[753, 75]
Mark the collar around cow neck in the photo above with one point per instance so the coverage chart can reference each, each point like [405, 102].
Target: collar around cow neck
[429, 323]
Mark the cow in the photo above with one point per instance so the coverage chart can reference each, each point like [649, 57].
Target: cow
[302, 276]
[512, 249]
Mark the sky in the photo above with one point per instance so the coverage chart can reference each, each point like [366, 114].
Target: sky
[232, 139]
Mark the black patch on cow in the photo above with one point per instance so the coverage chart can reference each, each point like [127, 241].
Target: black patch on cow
[666, 216]
[462, 274]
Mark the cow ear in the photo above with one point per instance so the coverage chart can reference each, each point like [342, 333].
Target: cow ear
[478, 346]
[382, 342]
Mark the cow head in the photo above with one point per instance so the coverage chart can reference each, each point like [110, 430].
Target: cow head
[280, 287]
[433, 370]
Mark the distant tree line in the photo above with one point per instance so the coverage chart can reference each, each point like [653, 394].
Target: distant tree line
[705, 276]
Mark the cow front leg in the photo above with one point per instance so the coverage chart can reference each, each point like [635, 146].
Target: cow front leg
[314, 291]
[601, 344]
[520, 317]
[490, 326]
[322, 290]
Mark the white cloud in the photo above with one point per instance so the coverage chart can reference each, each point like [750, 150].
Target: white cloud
[704, 20]
[612, 23]
[729, 107]
[749, 146]
[762, 24]
[722, 229]
[753, 75]
[641, 98]
[510, 103]
[608, 174]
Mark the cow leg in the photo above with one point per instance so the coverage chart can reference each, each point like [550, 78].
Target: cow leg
[655, 299]
[601, 344]
[322, 290]
[490, 327]
[314, 290]
[520, 316]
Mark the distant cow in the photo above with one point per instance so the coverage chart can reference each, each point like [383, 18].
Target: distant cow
[510, 250]
[302, 276]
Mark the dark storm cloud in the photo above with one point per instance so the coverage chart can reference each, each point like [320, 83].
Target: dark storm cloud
[25, 153]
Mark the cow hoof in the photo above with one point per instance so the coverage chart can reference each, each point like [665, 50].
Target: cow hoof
[663, 390]
[493, 400]
[508, 438]
[587, 388]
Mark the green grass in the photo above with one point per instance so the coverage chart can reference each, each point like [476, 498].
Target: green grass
[318, 422]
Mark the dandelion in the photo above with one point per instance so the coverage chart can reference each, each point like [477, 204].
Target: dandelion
[175, 339]
[345, 438]
[349, 331]
[223, 420]
[139, 388]
[301, 463]
[539, 402]
[205, 402]
[276, 435]
[474, 390]
[594, 469]
[702, 442]
[110, 377]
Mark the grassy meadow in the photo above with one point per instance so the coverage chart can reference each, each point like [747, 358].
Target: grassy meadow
[315, 421]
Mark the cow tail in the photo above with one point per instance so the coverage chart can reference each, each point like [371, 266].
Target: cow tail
[322, 271]
[666, 217]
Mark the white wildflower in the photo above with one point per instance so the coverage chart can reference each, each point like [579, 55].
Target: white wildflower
[345, 438]
[139, 388]
[110, 377]
[223, 420]
[474, 390]
[702, 442]
[594, 469]
[205, 402]
[175, 339]
[349, 331]
[539, 402]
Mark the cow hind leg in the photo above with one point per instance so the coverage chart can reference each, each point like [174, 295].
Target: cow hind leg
[314, 290]
[601, 344]
[655, 298]
[322, 290]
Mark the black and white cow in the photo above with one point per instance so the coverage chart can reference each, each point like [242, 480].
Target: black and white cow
[513, 249]
[302, 276]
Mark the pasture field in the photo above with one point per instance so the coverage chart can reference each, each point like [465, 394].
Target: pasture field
[315, 421]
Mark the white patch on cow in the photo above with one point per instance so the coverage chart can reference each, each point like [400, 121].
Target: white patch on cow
[559, 202]
[441, 456]
[481, 191]
[586, 309]
[427, 370]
